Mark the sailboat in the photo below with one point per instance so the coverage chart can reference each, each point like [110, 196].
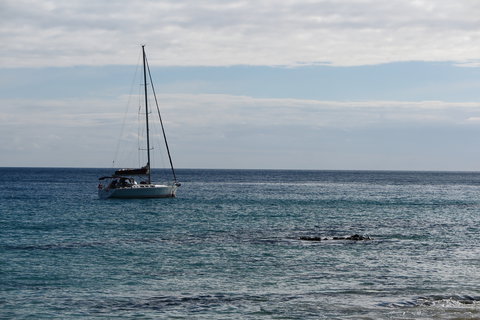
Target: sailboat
[137, 182]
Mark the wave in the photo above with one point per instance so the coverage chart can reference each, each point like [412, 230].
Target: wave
[435, 300]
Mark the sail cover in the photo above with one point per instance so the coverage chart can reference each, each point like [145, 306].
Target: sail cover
[132, 172]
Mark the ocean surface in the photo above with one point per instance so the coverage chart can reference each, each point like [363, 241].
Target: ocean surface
[238, 244]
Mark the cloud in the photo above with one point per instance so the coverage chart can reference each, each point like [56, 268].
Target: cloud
[211, 110]
[267, 32]
[195, 111]
[215, 130]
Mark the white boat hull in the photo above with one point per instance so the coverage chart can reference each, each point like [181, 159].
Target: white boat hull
[139, 191]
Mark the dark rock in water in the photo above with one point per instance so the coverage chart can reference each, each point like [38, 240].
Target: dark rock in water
[311, 238]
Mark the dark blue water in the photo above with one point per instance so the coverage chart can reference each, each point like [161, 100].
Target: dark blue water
[230, 246]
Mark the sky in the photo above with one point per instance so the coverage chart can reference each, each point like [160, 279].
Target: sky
[304, 84]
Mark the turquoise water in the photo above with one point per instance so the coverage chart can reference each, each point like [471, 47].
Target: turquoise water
[229, 246]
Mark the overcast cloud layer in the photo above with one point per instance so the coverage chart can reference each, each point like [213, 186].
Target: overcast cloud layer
[255, 32]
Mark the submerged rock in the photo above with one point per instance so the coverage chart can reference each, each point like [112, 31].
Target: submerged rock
[355, 237]
[311, 238]
[358, 237]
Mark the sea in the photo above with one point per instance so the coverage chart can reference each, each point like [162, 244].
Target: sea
[242, 244]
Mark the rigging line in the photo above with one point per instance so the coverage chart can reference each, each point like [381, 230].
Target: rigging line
[139, 132]
[140, 127]
[161, 122]
[141, 135]
[149, 164]
[122, 129]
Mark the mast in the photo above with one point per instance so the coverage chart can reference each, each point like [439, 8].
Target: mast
[146, 113]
